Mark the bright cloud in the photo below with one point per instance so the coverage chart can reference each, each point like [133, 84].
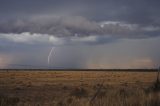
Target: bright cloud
[36, 38]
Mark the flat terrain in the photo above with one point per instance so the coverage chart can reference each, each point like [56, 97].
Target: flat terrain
[78, 88]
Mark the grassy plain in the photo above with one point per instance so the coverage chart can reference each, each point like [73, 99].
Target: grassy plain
[78, 88]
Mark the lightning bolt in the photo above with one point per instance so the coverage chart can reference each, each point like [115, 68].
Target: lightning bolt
[49, 56]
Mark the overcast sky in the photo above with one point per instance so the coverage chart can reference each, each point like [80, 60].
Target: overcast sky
[79, 33]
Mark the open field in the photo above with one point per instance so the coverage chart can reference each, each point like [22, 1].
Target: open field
[78, 88]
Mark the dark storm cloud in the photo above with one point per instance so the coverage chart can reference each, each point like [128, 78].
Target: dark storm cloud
[65, 26]
[61, 18]
[79, 26]
[135, 11]
[132, 11]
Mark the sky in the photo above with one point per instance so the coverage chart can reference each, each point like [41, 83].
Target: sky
[79, 34]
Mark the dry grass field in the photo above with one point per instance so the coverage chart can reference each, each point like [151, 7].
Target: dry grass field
[81, 88]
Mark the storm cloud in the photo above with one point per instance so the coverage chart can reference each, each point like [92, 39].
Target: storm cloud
[80, 27]
[119, 19]
[85, 33]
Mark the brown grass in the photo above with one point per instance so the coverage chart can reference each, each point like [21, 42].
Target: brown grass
[39, 88]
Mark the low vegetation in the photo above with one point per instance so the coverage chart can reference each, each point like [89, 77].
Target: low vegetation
[68, 89]
[8, 101]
